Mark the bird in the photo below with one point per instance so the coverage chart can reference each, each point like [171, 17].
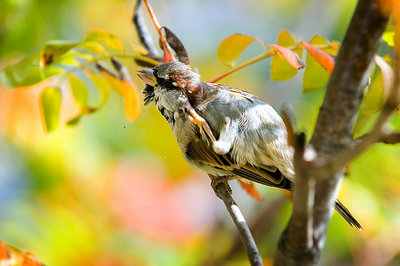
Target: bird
[224, 131]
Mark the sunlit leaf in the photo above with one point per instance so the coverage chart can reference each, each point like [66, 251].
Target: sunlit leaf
[364, 123]
[281, 68]
[232, 47]
[132, 100]
[285, 63]
[93, 47]
[52, 50]
[379, 89]
[79, 90]
[315, 76]
[373, 99]
[101, 85]
[50, 105]
[113, 81]
[324, 59]
[106, 39]
[24, 73]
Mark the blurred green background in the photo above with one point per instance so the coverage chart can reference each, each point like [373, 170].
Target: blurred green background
[112, 192]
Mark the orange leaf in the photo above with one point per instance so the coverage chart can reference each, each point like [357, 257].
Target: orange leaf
[12, 256]
[286, 54]
[323, 58]
[250, 189]
[133, 103]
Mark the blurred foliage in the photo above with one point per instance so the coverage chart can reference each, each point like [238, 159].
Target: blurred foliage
[85, 195]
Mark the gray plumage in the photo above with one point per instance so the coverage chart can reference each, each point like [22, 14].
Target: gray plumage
[251, 138]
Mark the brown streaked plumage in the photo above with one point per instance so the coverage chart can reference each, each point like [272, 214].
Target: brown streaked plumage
[250, 137]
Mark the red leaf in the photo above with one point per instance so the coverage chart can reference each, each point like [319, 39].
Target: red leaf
[323, 58]
[286, 54]
[250, 189]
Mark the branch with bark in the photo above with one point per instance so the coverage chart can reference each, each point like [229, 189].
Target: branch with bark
[319, 165]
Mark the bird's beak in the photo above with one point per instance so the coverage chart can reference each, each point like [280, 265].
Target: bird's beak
[147, 75]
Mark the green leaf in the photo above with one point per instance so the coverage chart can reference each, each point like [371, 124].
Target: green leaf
[104, 88]
[315, 76]
[373, 99]
[106, 39]
[232, 47]
[52, 51]
[75, 120]
[24, 73]
[379, 89]
[281, 69]
[79, 90]
[50, 106]
[364, 123]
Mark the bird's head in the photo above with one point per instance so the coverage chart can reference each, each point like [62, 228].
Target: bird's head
[174, 76]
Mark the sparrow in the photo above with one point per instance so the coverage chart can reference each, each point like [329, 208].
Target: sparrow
[226, 132]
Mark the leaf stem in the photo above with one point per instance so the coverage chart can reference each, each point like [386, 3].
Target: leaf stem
[244, 64]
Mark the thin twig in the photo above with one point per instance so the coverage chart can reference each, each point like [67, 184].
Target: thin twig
[159, 31]
[103, 68]
[222, 191]
[122, 70]
[244, 64]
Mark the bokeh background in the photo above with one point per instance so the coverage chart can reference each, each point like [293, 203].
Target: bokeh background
[112, 192]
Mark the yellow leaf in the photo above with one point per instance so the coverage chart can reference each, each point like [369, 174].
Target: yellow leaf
[231, 48]
[105, 38]
[79, 90]
[132, 100]
[282, 69]
[50, 105]
[315, 76]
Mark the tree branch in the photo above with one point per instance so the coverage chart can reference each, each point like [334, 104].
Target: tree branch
[143, 33]
[222, 191]
[333, 133]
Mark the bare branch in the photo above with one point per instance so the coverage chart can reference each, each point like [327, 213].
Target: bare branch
[298, 234]
[122, 70]
[103, 68]
[222, 191]
[143, 33]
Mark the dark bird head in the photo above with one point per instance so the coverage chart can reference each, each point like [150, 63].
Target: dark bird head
[175, 76]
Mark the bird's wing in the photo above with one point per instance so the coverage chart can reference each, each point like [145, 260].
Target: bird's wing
[199, 150]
